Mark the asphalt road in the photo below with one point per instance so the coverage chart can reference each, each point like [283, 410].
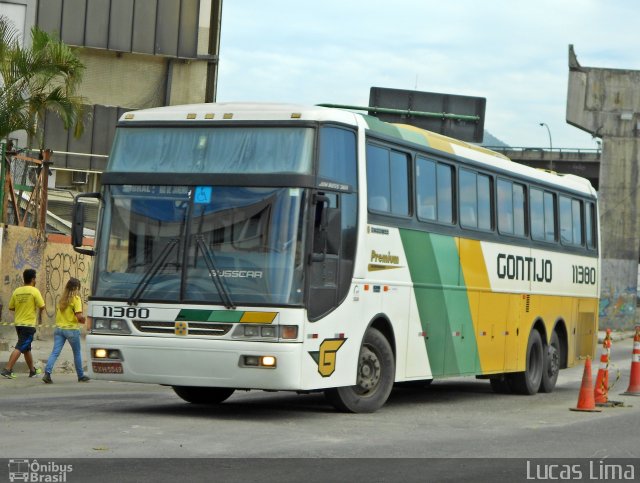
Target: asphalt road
[459, 418]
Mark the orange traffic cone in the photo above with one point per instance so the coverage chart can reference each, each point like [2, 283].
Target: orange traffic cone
[634, 378]
[585, 398]
[601, 391]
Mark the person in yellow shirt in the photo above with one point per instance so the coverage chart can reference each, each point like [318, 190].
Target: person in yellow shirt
[68, 319]
[28, 304]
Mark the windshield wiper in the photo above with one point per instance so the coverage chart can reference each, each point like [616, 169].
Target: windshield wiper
[209, 260]
[153, 270]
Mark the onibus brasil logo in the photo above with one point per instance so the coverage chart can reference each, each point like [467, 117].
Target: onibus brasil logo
[32, 471]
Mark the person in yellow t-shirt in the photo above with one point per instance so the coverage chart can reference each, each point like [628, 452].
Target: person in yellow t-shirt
[68, 319]
[28, 304]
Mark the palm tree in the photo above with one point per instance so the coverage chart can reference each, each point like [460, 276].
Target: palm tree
[35, 80]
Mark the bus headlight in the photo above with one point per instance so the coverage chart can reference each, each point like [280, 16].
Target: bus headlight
[265, 332]
[110, 326]
[267, 362]
[106, 354]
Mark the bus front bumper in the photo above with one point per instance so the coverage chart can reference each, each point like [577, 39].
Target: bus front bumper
[195, 362]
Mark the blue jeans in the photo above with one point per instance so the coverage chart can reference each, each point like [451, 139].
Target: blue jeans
[59, 338]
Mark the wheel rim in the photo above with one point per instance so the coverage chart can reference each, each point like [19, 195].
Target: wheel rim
[554, 361]
[369, 372]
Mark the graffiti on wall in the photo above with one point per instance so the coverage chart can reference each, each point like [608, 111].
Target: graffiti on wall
[29, 253]
[54, 261]
[617, 310]
[59, 268]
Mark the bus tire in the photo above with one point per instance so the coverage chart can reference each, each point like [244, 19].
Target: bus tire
[203, 395]
[552, 358]
[376, 373]
[528, 382]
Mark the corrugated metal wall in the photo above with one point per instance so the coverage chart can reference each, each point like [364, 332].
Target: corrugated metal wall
[157, 27]
[98, 136]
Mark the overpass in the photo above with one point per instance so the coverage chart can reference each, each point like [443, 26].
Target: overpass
[581, 162]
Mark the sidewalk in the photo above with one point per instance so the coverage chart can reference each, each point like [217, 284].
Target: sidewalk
[41, 349]
[616, 335]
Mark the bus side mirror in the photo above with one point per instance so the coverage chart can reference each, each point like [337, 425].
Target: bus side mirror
[77, 223]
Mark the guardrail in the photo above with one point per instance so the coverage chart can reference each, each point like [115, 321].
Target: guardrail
[546, 150]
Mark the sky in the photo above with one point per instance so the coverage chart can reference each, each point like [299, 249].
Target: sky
[511, 52]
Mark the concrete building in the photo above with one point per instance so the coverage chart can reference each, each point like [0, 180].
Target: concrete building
[606, 103]
[137, 53]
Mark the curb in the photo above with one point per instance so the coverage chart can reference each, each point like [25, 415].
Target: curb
[615, 336]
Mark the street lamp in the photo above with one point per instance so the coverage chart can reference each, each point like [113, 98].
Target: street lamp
[550, 146]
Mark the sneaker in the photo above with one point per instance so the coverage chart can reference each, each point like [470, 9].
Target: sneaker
[84, 379]
[47, 378]
[35, 372]
[8, 374]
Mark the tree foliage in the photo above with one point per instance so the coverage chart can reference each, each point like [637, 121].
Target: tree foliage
[37, 79]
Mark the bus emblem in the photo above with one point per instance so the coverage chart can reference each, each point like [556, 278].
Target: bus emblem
[181, 328]
[326, 356]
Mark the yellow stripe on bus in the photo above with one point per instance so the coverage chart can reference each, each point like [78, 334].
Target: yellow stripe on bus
[489, 311]
[258, 317]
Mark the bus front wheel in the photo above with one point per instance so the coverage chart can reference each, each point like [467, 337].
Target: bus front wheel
[528, 382]
[203, 395]
[376, 373]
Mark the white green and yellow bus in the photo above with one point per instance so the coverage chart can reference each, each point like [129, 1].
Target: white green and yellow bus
[282, 247]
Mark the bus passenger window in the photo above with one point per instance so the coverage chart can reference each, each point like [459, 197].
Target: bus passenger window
[387, 180]
[576, 214]
[484, 202]
[549, 217]
[399, 178]
[379, 192]
[536, 214]
[468, 199]
[475, 200]
[505, 207]
[445, 193]
[566, 230]
[434, 190]
[590, 223]
[426, 188]
[518, 210]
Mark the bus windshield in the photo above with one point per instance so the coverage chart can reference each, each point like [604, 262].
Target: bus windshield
[202, 244]
[205, 150]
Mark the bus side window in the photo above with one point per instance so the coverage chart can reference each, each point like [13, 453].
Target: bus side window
[468, 199]
[505, 207]
[378, 189]
[337, 161]
[388, 180]
[590, 224]
[426, 188]
[543, 215]
[549, 217]
[536, 214]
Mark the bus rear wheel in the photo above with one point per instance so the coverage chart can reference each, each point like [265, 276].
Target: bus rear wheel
[528, 382]
[203, 395]
[376, 373]
[552, 359]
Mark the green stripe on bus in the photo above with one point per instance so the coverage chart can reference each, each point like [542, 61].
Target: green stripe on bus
[377, 125]
[225, 315]
[196, 315]
[443, 305]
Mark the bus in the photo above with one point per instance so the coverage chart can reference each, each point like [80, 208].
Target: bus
[248, 246]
